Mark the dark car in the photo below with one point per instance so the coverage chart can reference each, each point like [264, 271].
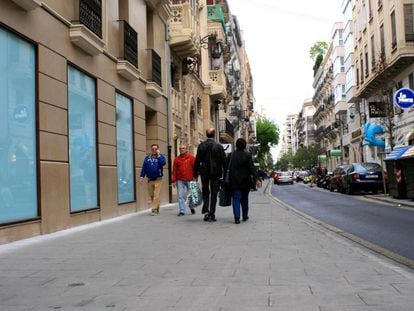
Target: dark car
[301, 175]
[363, 177]
[337, 178]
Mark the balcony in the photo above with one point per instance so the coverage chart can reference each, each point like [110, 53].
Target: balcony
[86, 33]
[226, 130]
[154, 84]
[216, 20]
[218, 84]
[184, 34]
[386, 70]
[127, 65]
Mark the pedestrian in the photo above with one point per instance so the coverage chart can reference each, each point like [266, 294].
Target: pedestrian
[242, 175]
[209, 164]
[152, 168]
[183, 174]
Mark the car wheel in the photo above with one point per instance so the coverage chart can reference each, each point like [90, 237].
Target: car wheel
[331, 189]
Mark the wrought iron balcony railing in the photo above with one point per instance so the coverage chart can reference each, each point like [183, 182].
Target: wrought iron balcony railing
[90, 15]
[225, 127]
[129, 43]
[156, 68]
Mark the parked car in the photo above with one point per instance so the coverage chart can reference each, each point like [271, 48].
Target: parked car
[363, 177]
[338, 178]
[283, 178]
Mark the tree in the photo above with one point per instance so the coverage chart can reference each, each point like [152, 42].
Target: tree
[316, 53]
[305, 157]
[284, 162]
[267, 136]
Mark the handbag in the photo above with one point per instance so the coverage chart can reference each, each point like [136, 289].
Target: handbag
[226, 179]
[195, 196]
[224, 196]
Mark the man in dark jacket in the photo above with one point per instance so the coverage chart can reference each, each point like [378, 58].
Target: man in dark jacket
[209, 164]
[153, 169]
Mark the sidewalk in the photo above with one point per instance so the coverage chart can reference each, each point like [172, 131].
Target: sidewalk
[389, 199]
[275, 261]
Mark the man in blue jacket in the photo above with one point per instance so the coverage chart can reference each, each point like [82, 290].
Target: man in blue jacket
[152, 168]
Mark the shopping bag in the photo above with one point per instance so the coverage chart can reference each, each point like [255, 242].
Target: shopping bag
[225, 196]
[195, 196]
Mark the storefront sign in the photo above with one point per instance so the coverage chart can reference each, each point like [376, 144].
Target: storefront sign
[376, 110]
[335, 153]
[356, 134]
[404, 98]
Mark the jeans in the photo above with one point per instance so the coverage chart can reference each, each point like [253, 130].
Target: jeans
[240, 197]
[210, 185]
[181, 188]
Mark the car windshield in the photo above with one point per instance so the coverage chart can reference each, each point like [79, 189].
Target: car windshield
[370, 167]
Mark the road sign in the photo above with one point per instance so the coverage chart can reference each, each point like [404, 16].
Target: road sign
[404, 98]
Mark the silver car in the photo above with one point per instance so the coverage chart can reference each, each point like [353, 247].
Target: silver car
[283, 178]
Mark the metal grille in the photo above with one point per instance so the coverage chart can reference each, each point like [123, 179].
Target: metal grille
[90, 15]
[130, 44]
[156, 68]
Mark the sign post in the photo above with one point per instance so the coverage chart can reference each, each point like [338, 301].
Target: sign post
[404, 98]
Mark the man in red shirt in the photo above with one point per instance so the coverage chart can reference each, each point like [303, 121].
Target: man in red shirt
[183, 173]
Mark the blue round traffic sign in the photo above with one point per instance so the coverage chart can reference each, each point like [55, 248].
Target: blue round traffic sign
[404, 98]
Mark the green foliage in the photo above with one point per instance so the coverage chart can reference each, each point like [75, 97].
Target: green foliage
[268, 136]
[316, 53]
[319, 48]
[305, 158]
[318, 62]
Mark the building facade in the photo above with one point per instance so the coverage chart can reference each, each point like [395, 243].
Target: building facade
[86, 88]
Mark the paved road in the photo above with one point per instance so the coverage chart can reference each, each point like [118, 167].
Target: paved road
[276, 261]
[389, 227]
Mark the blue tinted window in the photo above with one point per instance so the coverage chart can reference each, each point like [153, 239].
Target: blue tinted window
[18, 167]
[124, 151]
[82, 141]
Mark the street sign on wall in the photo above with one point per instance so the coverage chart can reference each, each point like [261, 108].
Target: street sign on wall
[376, 110]
[404, 98]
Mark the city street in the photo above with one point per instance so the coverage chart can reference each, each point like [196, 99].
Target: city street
[277, 260]
[387, 226]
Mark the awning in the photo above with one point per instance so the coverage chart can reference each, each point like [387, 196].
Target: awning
[322, 157]
[401, 153]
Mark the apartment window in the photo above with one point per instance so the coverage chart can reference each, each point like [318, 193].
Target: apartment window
[82, 141]
[357, 74]
[124, 149]
[370, 9]
[372, 51]
[393, 31]
[382, 38]
[409, 22]
[411, 81]
[342, 62]
[18, 160]
[362, 68]
[366, 61]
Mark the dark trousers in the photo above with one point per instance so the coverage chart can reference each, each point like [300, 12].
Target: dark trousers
[210, 185]
[240, 197]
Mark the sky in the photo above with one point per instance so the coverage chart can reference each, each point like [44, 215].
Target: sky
[278, 36]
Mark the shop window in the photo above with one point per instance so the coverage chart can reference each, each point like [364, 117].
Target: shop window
[18, 161]
[82, 141]
[124, 149]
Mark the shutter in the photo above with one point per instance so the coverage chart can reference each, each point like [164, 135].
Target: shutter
[409, 22]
